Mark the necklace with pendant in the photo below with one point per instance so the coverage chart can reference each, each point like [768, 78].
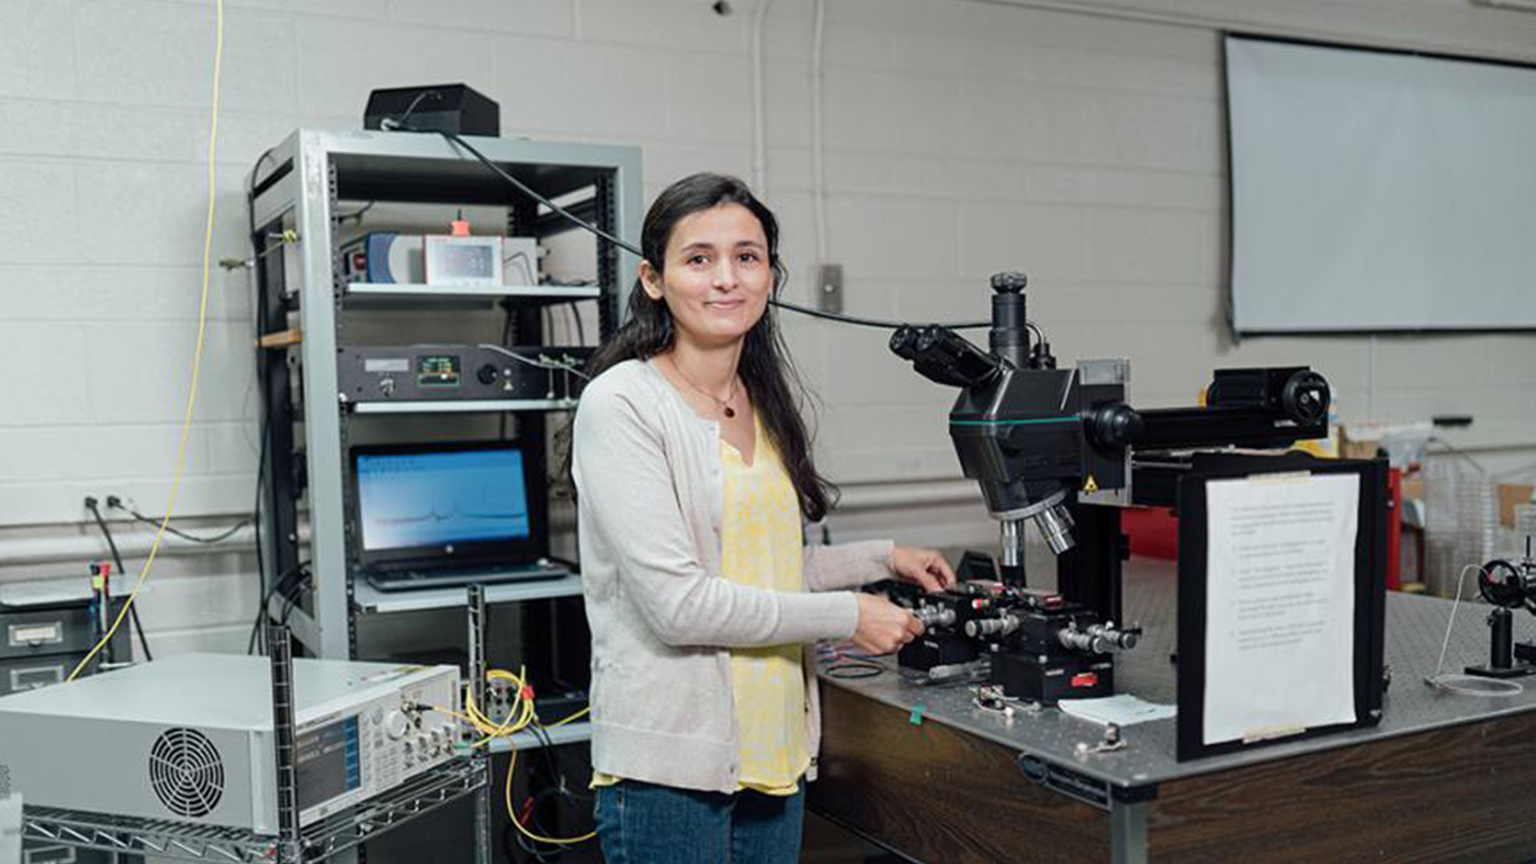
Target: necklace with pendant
[724, 404]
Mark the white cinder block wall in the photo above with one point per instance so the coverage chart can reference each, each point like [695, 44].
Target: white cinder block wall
[1082, 144]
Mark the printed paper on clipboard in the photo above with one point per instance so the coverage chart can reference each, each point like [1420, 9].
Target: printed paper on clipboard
[1280, 613]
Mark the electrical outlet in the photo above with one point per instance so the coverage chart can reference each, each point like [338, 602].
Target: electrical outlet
[829, 288]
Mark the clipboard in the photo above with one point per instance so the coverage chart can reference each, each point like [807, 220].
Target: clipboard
[1370, 568]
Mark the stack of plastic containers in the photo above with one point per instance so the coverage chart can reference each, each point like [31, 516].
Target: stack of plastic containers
[1461, 523]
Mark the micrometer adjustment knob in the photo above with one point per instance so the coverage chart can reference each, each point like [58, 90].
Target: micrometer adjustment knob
[935, 616]
[1009, 282]
[1099, 638]
[979, 627]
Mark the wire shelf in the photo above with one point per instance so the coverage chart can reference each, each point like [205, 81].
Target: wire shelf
[463, 406]
[418, 291]
[186, 842]
[174, 840]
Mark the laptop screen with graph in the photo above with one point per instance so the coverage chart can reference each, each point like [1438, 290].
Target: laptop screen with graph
[446, 505]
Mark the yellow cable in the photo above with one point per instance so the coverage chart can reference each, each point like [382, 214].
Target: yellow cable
[523, 711]
[519, 716]
[582, 713]
[508, 726]
[197, 357]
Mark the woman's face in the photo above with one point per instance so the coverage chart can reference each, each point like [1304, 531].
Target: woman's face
[716, 277]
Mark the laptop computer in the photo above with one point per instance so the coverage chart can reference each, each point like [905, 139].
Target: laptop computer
[437, 515]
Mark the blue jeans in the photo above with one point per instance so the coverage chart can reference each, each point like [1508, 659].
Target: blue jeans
[643, 823]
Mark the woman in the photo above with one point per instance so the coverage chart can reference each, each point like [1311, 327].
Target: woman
[693, 472]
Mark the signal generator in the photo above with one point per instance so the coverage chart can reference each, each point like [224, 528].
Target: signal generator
[190, 738]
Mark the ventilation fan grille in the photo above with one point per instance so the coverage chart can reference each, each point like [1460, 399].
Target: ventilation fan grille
[186, 772]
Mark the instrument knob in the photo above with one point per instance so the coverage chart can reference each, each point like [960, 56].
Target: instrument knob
[1305, 398]
[1115, 426]
[1009, 282]
[395, 725]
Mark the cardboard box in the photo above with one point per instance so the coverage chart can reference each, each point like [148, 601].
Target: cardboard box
[1361, 445]
[1511, 494]
[1411, 558]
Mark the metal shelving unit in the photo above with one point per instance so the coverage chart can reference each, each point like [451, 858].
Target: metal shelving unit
[297, 187]
[303, 303]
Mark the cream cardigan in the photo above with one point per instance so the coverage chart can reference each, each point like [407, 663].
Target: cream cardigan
[650, 493]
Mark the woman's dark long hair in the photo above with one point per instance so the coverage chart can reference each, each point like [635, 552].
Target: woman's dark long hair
[765, 367]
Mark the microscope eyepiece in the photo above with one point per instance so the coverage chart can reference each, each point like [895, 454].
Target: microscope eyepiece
[1009, 282]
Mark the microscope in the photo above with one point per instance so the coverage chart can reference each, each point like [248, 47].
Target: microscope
[1060, 448]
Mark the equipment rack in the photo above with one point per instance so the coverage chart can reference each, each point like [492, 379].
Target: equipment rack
[295, 195]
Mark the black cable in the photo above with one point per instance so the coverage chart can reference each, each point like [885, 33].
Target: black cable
[878, 323]
[542, 734]
[261, 611]
[793, 307]
[133, 610]
[543, 857]
[556, 850]
[392, 123]
[117, 559]
[116, 504]
[261, 473]
[530, 804]
[559, 789]
[291, 600]
[261, 605]
[357, 214]
[524, 188]
[853, 670]
[278, 585]
[250, 183]
[581, 329]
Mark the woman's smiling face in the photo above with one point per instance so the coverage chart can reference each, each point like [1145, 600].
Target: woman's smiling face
[716, 277]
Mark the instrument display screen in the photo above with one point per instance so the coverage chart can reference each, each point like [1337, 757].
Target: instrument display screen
[328, 762]
[437, 370]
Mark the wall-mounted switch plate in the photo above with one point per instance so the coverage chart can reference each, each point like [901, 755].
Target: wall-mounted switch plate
[829, 288]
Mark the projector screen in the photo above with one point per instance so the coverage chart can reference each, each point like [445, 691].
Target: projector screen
[1379, 191]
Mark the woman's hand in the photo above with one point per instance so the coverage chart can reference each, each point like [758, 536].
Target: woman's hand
[883, 626]
[923, 567]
